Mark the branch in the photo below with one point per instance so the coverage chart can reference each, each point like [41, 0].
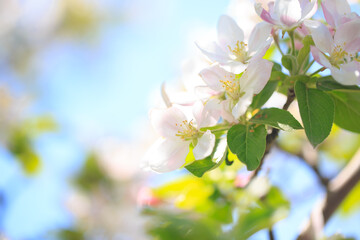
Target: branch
[338, 189]
[270, 138]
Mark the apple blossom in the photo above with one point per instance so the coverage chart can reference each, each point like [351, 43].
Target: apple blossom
[338, 52]
[231, 52]
[287, 14]
[337, 12]
[179, 131]
[236, 93]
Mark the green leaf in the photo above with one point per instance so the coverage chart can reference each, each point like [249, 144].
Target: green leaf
[276, 118]
[248, 143]
[328, 84]
[347, 109]
[261, 98]
[317, 112]
[288, 61]
[200, 167]
[276, 67]
[305, 50]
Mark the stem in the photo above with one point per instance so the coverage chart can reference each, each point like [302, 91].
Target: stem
[317, 71]
[271, 234]
[276, 40]
[308, 66]
[270, 138]
[292, 38]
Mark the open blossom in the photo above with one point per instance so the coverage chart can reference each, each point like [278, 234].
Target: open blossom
[337, 12]
[178, 131]
[231, 52]
[287, 14]
[236, 93]
[338, 52]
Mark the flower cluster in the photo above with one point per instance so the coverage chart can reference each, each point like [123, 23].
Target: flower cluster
[239, 69]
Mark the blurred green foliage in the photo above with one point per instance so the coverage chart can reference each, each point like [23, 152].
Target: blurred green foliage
[212, 207]
[91, 176]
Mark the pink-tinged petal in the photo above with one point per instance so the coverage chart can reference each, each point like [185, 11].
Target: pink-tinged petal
[256, 75]
[204, 146]
[229, 33]
[316, 54]
[263, 14]
[321, 35]
[203, 117]
[260, 37]
[334, 10]
[166, 155]
[164, 121]
[242, 105]
[345, 76]
[348, 35]
[214, 53]
[308, 8]
[289, 11]
[204, 92]
[324, 61]
[212, 76]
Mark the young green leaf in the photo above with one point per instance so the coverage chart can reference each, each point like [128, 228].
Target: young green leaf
[248, 142]
[305, 50]
[200, 167]
[289, 62]
[261, 98]
[276, 118]
[328, 84]
[347, 109]
[317, 112]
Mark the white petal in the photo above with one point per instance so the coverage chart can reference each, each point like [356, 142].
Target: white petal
[234, 66]
[308, 8]
[289, 11]
[164, 121]
[205, 145]
[259, 37]
[347, 75]
[242, 105]
[214, 53]
[205, 115]
[212, 76]
[321, 35]
[349, 33]
[256, 75]
[166, 155]
[229, 33]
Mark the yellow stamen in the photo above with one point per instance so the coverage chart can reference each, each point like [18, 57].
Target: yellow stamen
[240, 51]
[187, 131]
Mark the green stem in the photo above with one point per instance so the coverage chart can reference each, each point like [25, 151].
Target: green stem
[292, 38]
[317, 71]
[308, 66]
[276, 40]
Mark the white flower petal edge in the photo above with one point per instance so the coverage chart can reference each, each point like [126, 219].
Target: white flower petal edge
[166, 155]
[231, 52]
[164, 121]
[287, 14]
[205, 146]
[337, 12]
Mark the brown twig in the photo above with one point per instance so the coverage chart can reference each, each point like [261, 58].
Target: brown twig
[338, 189]
[270, 138]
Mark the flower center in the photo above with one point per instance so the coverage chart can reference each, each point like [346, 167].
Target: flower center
[240, 51]
[338, 56]
[231, 87]
[187, 131]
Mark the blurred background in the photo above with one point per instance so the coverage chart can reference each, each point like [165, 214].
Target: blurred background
[77, 78]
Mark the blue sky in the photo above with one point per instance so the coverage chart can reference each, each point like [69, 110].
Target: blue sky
[103, 88]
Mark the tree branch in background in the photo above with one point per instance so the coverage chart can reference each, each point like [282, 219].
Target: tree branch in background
[338, 189]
